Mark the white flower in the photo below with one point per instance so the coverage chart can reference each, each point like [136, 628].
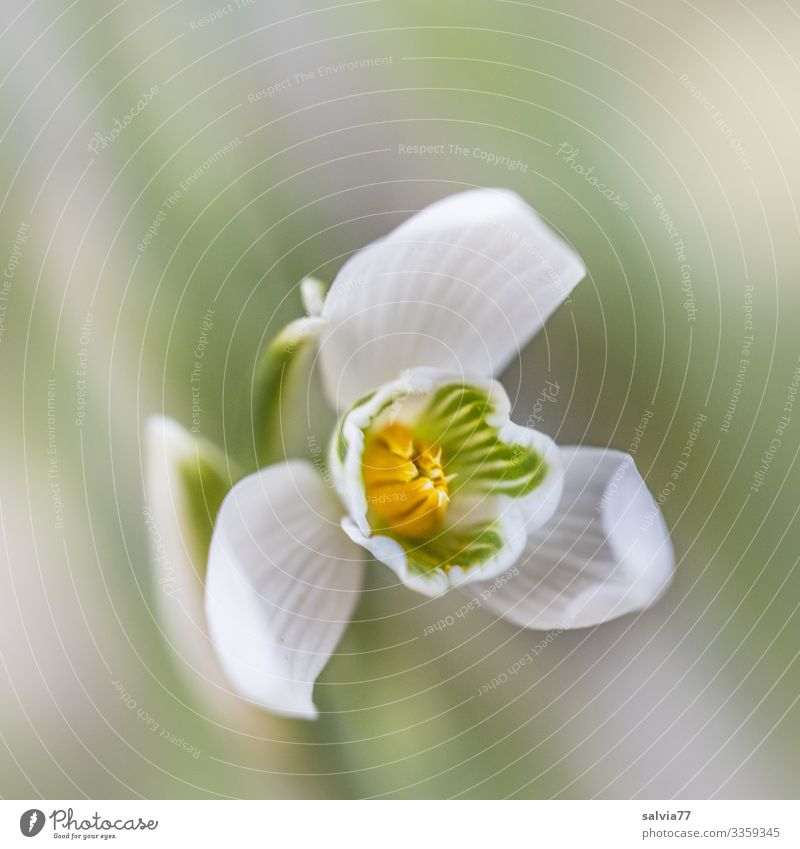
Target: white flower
[426, 472]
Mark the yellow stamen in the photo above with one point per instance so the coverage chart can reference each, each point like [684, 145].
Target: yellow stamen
[405, 484]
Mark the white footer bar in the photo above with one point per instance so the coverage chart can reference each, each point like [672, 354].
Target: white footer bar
[402, 824]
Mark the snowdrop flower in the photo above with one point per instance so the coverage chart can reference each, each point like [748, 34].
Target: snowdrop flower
[426, 472]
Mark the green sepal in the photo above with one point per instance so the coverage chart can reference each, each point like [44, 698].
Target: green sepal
[207, 478]
[187, 479]
[281, 394]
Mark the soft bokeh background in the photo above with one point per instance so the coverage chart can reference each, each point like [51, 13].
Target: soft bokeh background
[694, 102]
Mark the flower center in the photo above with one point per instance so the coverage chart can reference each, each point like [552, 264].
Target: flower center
[405, 483]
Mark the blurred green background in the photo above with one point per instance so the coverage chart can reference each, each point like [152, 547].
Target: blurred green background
[687, 113]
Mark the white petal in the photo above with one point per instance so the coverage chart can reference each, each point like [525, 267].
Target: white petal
[178, 518]
[281, 586]
[606, 551]
[462, 286]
